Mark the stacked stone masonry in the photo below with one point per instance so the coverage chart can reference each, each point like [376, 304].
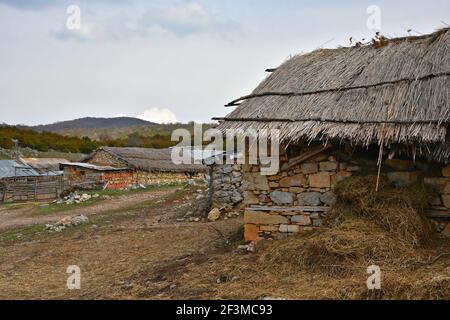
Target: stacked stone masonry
[297, 199]
[226, 185]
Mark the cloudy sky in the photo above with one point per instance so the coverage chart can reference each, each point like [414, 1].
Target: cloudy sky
[168, 61]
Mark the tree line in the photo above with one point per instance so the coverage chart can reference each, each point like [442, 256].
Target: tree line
[45, 141]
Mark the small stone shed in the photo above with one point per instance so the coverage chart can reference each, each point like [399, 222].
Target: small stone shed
[150, 166]
[380, 108]
[86, 176]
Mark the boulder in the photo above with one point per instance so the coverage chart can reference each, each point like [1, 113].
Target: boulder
[301, 220]
[281, 198]
[214, 214]
[309, 199]
[328, 198]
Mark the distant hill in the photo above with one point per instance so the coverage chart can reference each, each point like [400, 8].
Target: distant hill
[92, 123]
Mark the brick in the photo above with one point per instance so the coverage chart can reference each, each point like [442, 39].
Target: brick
[273, 184]
[297, 180]
[296, 190]
[328, 166]
[320, 180]
[446, 231]
[446, 171]
[339, 176]
[255, 181]
[353, 168]
[251, 232]
[250, 198]
[268, 228]
[447, 188]
[446, 200]
[292, 228]
[302, 220]
[439, 183]
[309, 168]
[400, 165]
[257, 217]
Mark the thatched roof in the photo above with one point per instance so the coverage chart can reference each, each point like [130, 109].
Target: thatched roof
[396, 91]
[147, 159]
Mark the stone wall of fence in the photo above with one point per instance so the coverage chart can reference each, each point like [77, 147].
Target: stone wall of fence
[162, 178]
[226, 185]
[298, 198]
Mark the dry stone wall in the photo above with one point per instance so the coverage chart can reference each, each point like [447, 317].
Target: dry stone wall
[226, 185]
[297, 199]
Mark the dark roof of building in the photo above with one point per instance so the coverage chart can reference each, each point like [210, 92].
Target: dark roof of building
[147, 159]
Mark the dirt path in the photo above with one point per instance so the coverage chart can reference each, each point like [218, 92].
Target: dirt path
[114, 257]
[24, 216]
[147, 252]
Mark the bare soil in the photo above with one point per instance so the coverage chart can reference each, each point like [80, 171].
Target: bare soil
[142, 250]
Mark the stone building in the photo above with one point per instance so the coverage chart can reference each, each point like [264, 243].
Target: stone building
[86, 176]
[381, 108]
[150, 166]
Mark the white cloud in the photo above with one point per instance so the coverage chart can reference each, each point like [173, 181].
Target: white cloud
[188, 18]
[158, 115]
[86, 32]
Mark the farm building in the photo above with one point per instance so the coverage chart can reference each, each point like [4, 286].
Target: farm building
[21, 182]
[380, 109]
[44, 165]
[86, 176]
[150, 166]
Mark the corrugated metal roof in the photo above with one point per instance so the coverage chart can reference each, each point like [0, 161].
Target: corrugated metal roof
[43, 165]
[12, 168]
[92, 166]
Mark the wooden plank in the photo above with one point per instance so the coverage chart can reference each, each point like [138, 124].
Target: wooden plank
[295, 208]
[438, 213]
[304, 156]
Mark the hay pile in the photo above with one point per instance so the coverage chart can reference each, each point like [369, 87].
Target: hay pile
[387, 229]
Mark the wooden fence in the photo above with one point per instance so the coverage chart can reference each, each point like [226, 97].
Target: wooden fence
[31, 189]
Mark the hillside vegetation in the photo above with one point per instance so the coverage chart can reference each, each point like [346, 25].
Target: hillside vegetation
[84, 140]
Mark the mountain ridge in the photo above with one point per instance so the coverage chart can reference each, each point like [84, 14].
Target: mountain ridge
[92, 123]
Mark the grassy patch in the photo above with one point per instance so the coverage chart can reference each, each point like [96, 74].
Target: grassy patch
[15, 206]
[22, 234]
